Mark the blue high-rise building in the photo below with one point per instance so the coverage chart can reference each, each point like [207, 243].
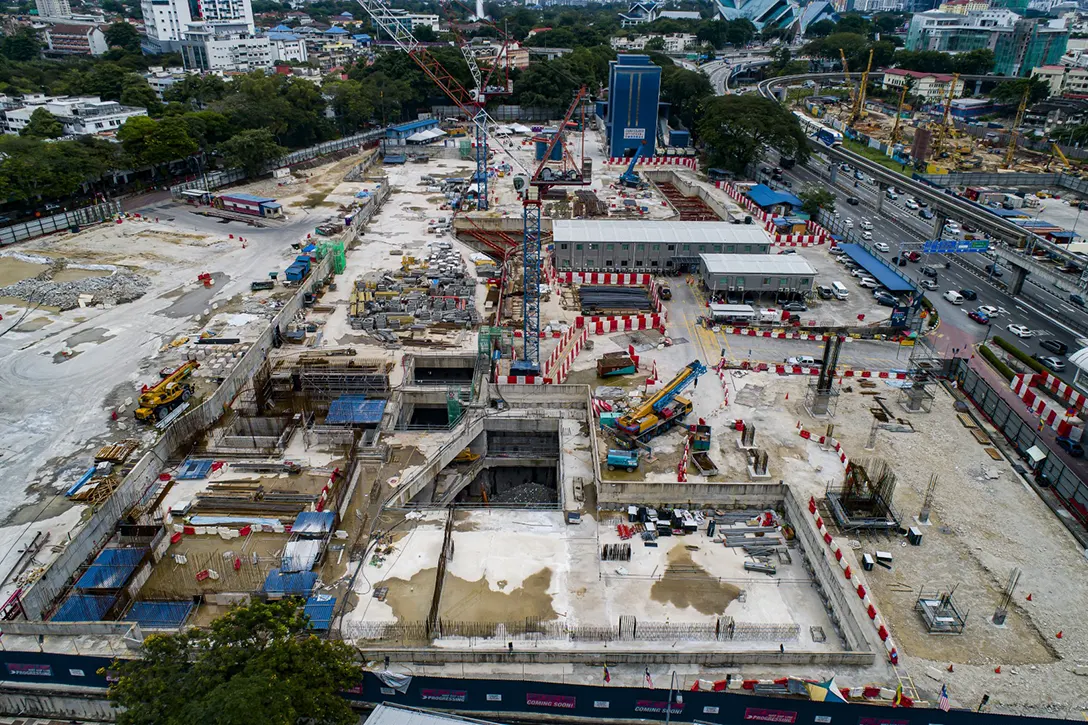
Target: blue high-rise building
[634, 88]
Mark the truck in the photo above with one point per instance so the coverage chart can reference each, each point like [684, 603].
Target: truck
[665, 292]
[158, 401]
[627, 460]
[661, 411]
[615, 363]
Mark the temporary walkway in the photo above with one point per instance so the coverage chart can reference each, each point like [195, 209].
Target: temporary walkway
[880, 270]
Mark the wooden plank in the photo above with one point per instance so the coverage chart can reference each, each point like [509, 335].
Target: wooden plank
[966, 420]
[992, 453]
[980, 436]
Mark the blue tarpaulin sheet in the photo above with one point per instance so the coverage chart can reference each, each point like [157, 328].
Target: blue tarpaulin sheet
[193, 469]
[111, 569]
[83, 608]
[297, 584]
[313, 522]
[159, 615]
[877, 267]
[319, 609]
[765, 196]
[355, 410]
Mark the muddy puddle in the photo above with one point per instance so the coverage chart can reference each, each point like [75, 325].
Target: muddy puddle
[193, 302]
[470, 601]
[14, 270]
[94, 336]
[70, 274]
[686, 584]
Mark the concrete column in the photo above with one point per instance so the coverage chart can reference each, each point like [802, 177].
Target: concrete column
[978, 87]
[834, 173]
[939, 220]
[1016, 282]
[879, 203]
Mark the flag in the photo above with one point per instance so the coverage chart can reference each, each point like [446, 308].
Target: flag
[649, 680]
[824, 691]
[607, 677]
[898, 695]
[942, 701]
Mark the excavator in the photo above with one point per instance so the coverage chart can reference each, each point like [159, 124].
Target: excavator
[157, 401]
[663, 410]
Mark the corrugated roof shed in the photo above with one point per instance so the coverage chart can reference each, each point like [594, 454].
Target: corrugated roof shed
[355, 410]
[877, 267]
[299, 584]
[756, 264]
[300, 555]
[319, 609]
[656, 231]
[159, 615]
[313, 522]
[83, 608]
[111, 569]
[766, 196]
[247, 197]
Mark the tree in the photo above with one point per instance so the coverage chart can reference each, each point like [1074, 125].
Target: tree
[814, 198]
[123, 35]
[136, 91]
[854, 23]
[820, 29]
[152, 143]
[42, 124]
[735, 130]
[251, 150]
[974, 62]
[23, 45]
[258, 664]
[740, 32]
[352, 103]
[1012, 92]
[685, 90]
[657, 43]
[425, 34]
[924, 61]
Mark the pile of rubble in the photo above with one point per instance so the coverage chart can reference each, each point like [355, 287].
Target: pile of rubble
[42, 290]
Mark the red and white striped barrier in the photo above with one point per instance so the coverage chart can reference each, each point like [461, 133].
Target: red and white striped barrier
[544, 334]
[559, 374]
[557, 353]
[816, 233]
[688, 161]
[880, 374]
[874, 616]
[601, 406]
[797, 240]
[775, 334]
[519, 379]
[723, 379]
[605, 278]
[682, 466]
[1045, 408]
[795, 370]
[606, 325]
[823, 439]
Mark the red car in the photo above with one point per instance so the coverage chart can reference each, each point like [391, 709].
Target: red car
[979, 317]
[913, 256]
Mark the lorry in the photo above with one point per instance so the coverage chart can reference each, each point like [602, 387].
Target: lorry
[663, 410]
[627, 460]
[158, 401]
[615, 363]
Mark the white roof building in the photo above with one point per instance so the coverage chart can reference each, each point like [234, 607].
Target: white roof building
[564, 230]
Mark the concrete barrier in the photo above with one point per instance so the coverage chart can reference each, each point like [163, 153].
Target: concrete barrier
[637, 656]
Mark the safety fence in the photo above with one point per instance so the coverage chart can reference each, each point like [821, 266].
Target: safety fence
[65, 221]
[1023, 434]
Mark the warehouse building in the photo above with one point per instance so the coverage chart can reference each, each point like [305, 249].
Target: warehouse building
[751, 277]
[650, 246]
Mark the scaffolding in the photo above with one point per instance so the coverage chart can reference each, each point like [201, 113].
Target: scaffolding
[336, 251]
[940, 612]
[863, 501]
[922, 369]
[822, 394]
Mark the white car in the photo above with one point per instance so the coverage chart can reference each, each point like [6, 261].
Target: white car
[801, 360]
[881, 247]
[857, 272]
[1019, 330]
[952, 228]
[849, 223]
[867, 282]
[988, 310]
[867, 236]
[837, 251]
[866, 224]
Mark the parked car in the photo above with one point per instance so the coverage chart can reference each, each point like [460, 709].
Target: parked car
[886, 300]
[1074, 448]
[1019, 331]
[1055, 346]
[787, 251]
[1049, 361]
[929, 284]
[795, 307]
[969, 294]
[867, 282]
[929, 271]
[802, 360]
[825, 292]
[857, 272]
[836, 250]
[980, 317]
[852, 200]
[881, 246]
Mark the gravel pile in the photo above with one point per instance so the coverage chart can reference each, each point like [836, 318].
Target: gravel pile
[527, 493]
[116, 288]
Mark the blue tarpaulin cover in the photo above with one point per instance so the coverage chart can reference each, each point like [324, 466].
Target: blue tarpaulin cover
[298, 584]
[355, 410]
[111, 569]
[313, 522]
[83, 608]
[765, 196]
[193, 469]
[877, 267]
[160, 615]
[319, 609]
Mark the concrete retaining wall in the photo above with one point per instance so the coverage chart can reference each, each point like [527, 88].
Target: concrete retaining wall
[89, 707]
[670, 493]
[642, 656]
[688, 189]
[828, 577]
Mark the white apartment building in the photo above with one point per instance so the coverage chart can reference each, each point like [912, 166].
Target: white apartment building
[53, 8]
[81, 116]
[288, 48]
[933, 87]
[674, 42]
[167, 21]
[414, 20]
[1063, 80]
[204, 50]
[65, 39]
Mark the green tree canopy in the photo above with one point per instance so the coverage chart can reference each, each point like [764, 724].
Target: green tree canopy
[821, 29]
[657, 43]
[148, 142]
[814, 198]
[136, 91]
[924, 61]
[735, 129]
[257, 664]
[42, 124]
[23, 44]
[685, 90]
[31, 169]
[1012, 92]
[123, 35]
[251, 150]
[974, 62]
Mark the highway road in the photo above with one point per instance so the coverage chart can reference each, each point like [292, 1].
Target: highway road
[957, 331]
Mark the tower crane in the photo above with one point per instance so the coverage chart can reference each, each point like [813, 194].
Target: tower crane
[533, 188]
[471, 102]
[859, 99]
[1011, 150]
[938, 144]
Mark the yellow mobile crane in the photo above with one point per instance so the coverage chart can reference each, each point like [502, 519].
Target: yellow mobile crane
[938, 143]
[1011, 150]
[157, 401]
[859, 99]
[1056, 150]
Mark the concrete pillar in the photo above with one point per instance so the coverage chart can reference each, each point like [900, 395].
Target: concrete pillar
[939, 220]
[879, 203]
[1016, 282]
[978, 87]
[834, 173]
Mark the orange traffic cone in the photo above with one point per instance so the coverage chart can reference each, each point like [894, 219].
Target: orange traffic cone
[950, 668]
[1058, 635]
[787, 396]
[1029, 597]
[998, 669]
